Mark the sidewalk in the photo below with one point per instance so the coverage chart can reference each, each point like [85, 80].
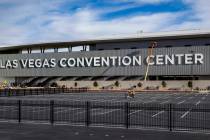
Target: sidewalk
[12, 131]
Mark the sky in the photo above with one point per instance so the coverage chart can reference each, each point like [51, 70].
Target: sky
[38, 21]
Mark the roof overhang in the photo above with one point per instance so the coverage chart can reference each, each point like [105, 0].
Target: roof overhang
[114, 39]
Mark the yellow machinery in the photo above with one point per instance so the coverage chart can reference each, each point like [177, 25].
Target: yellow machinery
[150, 52]
[131, 93]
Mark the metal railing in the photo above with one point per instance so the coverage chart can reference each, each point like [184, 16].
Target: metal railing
[106, 113]
[39, 91]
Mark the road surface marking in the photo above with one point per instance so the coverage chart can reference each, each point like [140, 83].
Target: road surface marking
[181, 102]
[198, 103]
[164, 102]
[158, 113]
[134, 112]
[106, 112]
[185, 114]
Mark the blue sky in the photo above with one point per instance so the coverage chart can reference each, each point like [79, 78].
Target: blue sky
[34, 21]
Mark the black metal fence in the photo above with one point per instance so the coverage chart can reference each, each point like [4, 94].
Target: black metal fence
[106, 113]
[39, 91]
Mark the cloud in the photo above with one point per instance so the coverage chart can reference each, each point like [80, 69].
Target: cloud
[201, 9]
[26, 22]
[197, 18]
[147, 1]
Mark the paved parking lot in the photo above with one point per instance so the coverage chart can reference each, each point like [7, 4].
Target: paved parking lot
[190, 110]
[160, 98]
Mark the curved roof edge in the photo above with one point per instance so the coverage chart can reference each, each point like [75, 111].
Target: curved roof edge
[116, 38]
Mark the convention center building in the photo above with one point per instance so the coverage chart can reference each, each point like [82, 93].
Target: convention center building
[178, 57]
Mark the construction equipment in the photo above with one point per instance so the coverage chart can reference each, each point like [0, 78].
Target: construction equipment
[150, 52]
[131, 93]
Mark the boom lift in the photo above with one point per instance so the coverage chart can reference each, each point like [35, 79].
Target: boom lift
[150, 52]
[131, 93]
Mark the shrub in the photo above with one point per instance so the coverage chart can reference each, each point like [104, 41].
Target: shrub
[197, 88]
[139, 84]
[75, 84]
[164, 84]
[117, 84]
[190, 84]
[95, 84]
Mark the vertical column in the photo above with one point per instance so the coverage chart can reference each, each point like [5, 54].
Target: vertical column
[70, 48]
[29, 50]
[42, 50]
[55, 50]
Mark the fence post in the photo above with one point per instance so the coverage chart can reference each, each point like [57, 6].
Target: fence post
[52, 111]
[87, 121]
[127, 115]
[170, 117]
[19, 110]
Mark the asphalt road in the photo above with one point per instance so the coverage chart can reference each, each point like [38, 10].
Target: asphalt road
[10, 131]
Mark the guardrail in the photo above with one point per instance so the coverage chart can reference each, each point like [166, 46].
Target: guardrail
[106, 113]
